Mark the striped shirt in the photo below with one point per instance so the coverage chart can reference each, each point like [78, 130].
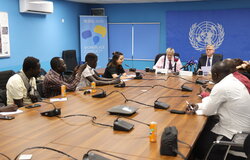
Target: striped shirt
[53, 81]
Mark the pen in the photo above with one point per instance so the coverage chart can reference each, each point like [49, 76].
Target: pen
[191, 107]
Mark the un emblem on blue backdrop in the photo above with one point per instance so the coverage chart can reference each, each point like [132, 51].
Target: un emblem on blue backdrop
[205, 33]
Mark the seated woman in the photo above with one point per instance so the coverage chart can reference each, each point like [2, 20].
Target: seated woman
[168, 61]
[114, 68]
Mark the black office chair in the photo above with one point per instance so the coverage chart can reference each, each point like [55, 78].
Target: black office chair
[4, 77]
[162, 54]
[242, 145]
[69, 57]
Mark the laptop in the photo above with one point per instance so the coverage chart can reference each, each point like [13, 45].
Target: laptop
[123, 110]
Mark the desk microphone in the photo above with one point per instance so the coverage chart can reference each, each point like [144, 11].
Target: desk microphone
[121, 125]
[131, 69]
[123, 84]
[138, 75]
[93, 156]
[162, 105]
[53, 112]
[186, 88]
[158, 85]
[202, 82]
[100, 95]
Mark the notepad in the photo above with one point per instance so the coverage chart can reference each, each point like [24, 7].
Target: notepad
[9, 113]
[58, 99]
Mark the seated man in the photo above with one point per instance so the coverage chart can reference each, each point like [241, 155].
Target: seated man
[210, 58]
[89, 75]
[21, 87]
[54, 78]
[229, 99]
[9, 108]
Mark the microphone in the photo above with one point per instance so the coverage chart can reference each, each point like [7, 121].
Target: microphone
[186, 88]
[162, 105]
[51, 113]
[120, 85]
[138, 75]
[121, 125]
[131, 69]
[100, 95]
[191, 62]
[202, 82]
[176, 58]
[228, 143]
[93, 156]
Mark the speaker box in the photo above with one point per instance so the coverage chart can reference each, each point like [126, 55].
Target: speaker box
[97, 12]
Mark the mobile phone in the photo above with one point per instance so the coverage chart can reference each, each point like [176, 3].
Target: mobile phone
[6, 117]
[33, 106]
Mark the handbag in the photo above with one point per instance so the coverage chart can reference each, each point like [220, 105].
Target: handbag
[169, 145]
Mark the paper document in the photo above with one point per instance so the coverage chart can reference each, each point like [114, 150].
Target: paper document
[9, 113]
[58, 99]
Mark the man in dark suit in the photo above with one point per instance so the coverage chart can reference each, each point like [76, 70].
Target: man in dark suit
[210, 58]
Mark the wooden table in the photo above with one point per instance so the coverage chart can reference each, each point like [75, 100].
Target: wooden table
[76, 135]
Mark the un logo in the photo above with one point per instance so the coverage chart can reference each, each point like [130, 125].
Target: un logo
[204, 33]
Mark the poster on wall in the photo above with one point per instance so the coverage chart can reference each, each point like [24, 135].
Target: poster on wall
[94, 38]
[4, 35]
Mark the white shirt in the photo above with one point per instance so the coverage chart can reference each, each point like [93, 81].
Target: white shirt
[159, 64]
[231, 101]
[17, 90]
[84, 82]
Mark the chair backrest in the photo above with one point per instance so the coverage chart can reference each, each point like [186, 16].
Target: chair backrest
[161, 54]
[158, 56]
[69, 57]
[4, 77]
[247, 146]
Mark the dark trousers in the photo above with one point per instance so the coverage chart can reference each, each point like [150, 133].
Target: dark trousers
[205, 141]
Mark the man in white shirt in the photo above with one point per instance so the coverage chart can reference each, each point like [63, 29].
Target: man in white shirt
[89, 74]
[229, 99]
[21, 87]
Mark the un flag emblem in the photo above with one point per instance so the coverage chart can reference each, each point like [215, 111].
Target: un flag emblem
[204, 33]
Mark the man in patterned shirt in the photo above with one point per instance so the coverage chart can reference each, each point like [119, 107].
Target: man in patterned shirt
[54, 78]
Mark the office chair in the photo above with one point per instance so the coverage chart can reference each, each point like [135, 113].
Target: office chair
[69, 57]
[4, 77]
[235, 148]
[161, 54]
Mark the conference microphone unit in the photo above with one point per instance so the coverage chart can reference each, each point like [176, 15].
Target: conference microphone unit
[138, 75]
[120, 125]
[51, 113]
[186, 88]
[131, 69]
[120, 85]
[162, 105]
[100, 95]
[93, 156]
[202, 82]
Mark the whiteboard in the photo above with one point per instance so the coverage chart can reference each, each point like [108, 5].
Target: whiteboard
[4, 35]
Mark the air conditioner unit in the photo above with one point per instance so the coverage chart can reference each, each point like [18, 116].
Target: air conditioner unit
[36, 6]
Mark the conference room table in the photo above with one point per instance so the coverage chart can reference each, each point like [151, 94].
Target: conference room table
[77, 135]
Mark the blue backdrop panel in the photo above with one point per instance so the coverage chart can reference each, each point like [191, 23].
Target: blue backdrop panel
[146, 40]
[229, 29]
[120, 39]
[94, 38]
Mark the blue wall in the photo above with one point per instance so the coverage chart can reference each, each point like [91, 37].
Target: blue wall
[156, 12]
[45, 36]
[41, 36]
